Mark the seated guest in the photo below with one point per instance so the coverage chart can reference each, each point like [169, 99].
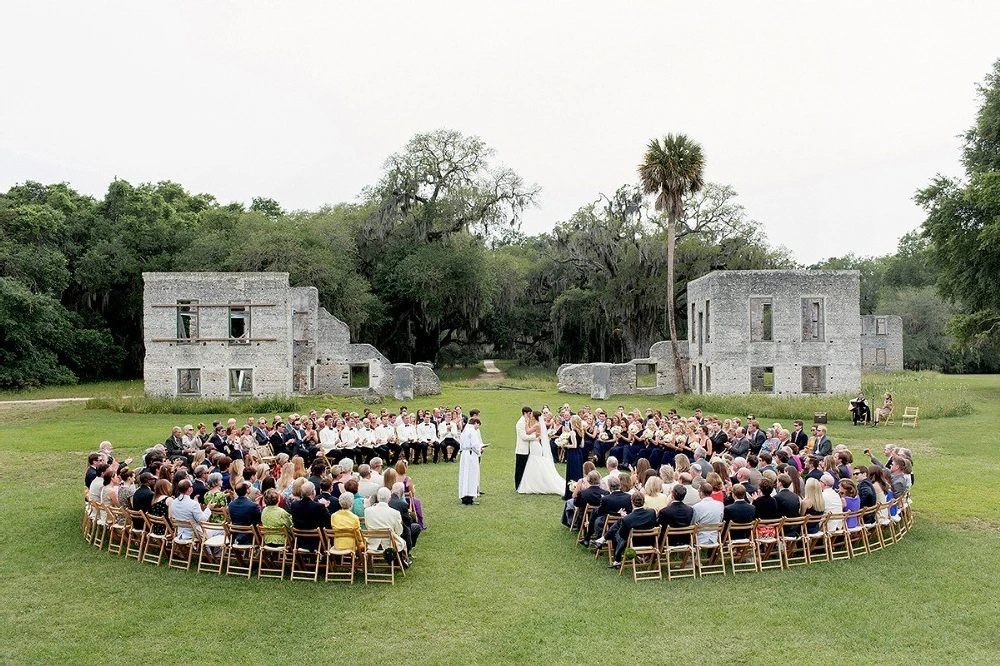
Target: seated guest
[832, 502]
[162, 499]
[401, 473]
[243, 511]
[707, 511]
[308, 514]
[766, 507]
[640, 518]
[676, 514]
[345, 519]
[653, 494]
[93, 460]
[382, 516]
[274, 517]
[849, 501]
[185, 508]
[589, 495]
[215, 496]
[866, 491]
[367, 486]
[358, 507]
[740, 511]
[397, 501]
[614, 502]
[788, 503]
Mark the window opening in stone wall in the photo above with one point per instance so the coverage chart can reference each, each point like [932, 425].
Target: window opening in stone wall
[239, 325]
[701, 378]
[812, 319]
[691, 324]
[645, 375]
[188, 381]
[761, 320]
[708, 324]
[813, 379]
[187, 320]
[312, 377]
[701, 333]
[880, 356]
[762, 379]
[240, 381]
[360, 376]
[880, 327]
[708, 379]
[694, 374]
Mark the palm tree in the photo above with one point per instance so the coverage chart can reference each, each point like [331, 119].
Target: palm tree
[670, 170]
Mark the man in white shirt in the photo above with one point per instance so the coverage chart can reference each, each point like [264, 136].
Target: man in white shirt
[427, 437]
[367, 487]
[612, 470]
[832, 502]
[349, 435]
[406, 435]
[706, 511]
[376, 465]
[381, 515]
[185, 508]
[329, 437]
[366, 441]
[385, 439]
[448, 436]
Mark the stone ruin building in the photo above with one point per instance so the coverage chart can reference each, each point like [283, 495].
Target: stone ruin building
[786, 332]
[227, 335]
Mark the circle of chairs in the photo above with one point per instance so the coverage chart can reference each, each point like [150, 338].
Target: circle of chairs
[238, 550]
[755, 546]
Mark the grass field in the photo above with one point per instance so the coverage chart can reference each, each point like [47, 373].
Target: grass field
[503, 582]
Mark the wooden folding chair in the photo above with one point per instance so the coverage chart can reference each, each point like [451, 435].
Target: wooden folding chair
[817, 538]
[135, 534]
[839, 540]
[158, 539]
[306, 554]
[609, 520]
[906, 503]
[272, 557]
[239, 557]
[710, 556]
[377, 569]
[584, 521]
[340, 564]
[182, 548]
[646, 562]
[100, 525]
[876, 537]
[883, 519]
[857, 536]
[794, 543]
[738, 547]
[910, 416]
[89, 518]
[767, 546]
[117, 530]
[213, 543]
[680, 555]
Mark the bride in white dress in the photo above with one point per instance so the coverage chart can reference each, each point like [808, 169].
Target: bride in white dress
[540, 475]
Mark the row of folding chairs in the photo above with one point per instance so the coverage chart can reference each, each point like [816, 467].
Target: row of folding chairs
[238, 550]
[735, 548]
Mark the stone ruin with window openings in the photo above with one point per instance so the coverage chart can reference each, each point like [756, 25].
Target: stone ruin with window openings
[786, 332]
[224, 335]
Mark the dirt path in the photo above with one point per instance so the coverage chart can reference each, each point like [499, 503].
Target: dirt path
[46, 401]
[491, 371]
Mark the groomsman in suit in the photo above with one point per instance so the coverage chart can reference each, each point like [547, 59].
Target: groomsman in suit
[521, 446]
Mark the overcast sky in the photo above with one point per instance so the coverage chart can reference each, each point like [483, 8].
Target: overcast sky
[825, 117]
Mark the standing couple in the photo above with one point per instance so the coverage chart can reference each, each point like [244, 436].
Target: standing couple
[534, 470]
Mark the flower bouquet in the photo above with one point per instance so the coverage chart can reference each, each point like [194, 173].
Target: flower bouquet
[562, 439]
[572, 486]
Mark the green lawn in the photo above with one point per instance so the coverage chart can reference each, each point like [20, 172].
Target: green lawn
[502, 582]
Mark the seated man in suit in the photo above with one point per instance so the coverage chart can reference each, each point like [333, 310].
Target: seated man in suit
[676, 514]
[788, 502]
[641, 518]
[740, 511]
[614, 502]
[308, 513]
[411, 530]
[590, 496]
[243, 511]
[860, 412]
[866, 491]
[381, 516]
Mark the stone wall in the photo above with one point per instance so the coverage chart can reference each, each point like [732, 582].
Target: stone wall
[882, 342]
[785, 332]
[295, 345]
[603, 380]
[266, 352]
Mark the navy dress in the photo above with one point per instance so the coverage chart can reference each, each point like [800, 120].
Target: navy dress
[574, 463]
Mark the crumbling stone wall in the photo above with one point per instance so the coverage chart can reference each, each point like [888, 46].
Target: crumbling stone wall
[882, 342]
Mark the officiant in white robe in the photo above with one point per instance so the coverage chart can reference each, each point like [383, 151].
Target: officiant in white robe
[471, 447]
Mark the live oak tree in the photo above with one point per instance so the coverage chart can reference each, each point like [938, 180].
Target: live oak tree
[963, 225]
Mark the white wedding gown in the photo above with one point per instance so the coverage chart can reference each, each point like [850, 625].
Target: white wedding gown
[540, 475]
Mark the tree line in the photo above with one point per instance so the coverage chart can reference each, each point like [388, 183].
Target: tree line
[429, 262]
